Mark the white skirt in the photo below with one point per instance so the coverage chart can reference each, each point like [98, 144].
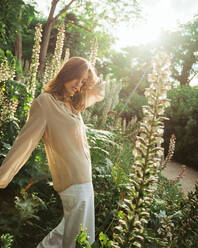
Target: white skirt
[78, 208]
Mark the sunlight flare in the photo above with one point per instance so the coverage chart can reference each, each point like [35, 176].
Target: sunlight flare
[160, 17]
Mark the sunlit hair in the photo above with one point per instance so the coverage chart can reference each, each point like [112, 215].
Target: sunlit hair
[74, 68]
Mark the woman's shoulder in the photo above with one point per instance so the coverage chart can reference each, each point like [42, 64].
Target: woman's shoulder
[45, 97]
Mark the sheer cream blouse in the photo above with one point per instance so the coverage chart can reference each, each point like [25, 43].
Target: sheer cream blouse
[64, 137]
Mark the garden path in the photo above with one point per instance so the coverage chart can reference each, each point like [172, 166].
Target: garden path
[189, 179]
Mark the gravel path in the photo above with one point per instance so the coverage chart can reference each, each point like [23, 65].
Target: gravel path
[189, 179]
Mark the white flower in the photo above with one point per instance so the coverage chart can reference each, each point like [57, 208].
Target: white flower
[152, 78]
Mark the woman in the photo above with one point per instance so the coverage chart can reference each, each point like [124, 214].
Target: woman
[55, 118]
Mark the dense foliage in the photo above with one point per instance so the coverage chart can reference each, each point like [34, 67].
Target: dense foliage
[183, 122]
[135, 206]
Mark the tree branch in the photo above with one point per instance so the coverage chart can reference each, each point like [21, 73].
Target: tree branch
[80, 26]
[63, 10]
[52, 9]
[193, 77]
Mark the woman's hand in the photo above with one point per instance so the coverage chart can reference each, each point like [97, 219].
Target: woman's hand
[89, 84]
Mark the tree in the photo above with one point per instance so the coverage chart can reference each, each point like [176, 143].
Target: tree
[51, 20]
[131, 65]
[105, 14]
[15, 17]
[181, 46]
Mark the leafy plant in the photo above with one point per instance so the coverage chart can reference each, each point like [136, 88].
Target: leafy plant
[186, 234]
[26, 207]
[183, 115]
[147, 157]
[82, 241]
[6, 240]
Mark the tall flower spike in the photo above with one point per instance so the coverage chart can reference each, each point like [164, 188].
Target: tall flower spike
[6, 71]
[7, 107]
[147, 155]
[59, 48]
[53, 64]
[171, 151]
[48, 73]
[67, 55]
[94, 51]
[31, 84]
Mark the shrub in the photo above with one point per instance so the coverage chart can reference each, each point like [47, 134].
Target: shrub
[186, 234]
[12, 91]
[6, 240]
[165, 212]
[109, 175]
[134, 107]
[183, 122]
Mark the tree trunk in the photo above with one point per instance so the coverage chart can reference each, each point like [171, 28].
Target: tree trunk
[18, 42]
[46, 35]
[187, 66]
[18, 52]
[44, 45]
[47, 31]
[18, 47]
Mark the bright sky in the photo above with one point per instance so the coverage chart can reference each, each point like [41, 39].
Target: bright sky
[159, 14]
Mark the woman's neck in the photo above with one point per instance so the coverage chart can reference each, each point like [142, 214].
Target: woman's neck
[68, 104]
[67, 98]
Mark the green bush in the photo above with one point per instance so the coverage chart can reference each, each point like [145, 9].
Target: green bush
[183, 122]
[186, 234]
[10, 128]
[134, 106]
[165, 213]
[111, 157]
[6, 240]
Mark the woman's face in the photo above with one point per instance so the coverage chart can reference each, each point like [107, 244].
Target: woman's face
[75, 85]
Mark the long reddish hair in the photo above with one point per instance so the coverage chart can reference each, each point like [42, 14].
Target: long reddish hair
[74, 68]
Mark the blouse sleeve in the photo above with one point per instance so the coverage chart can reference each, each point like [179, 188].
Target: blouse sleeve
[24, 144]
[96, 94]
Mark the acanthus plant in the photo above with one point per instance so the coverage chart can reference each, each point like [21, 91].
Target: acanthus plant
[171, 151]
[7, 106]
[58, 49]
[6, 71]
[148, 155]
[93, 53]
[32, 77]
[53, 64]
[67, 55]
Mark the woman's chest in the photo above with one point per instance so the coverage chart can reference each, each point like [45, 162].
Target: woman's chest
[63, 121]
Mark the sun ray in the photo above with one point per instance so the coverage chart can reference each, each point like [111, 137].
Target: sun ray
[158, 16]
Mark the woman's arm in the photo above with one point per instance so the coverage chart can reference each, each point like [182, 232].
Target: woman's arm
[24, 144]
[95, 94]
